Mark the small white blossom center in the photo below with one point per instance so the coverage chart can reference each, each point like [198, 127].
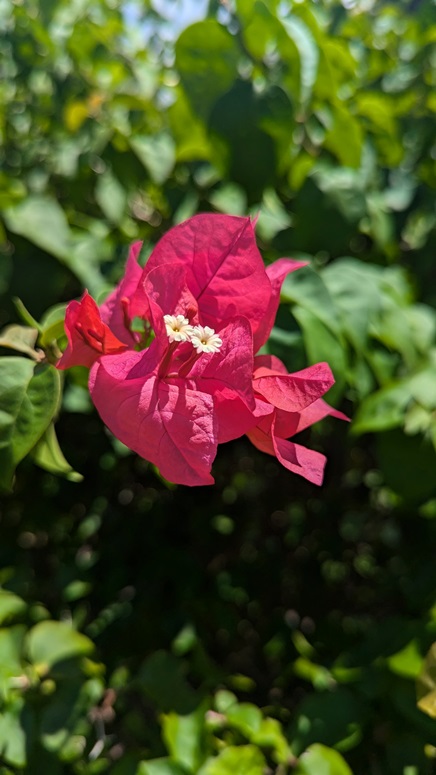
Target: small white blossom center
[205, 340]
[178, 328]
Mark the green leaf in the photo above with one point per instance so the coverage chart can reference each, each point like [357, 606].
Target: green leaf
[42, 221]
[382, 410]
[263, 33]
[10, 605]
[236, 760]
[20, 338]
[12, 735]
[111, 196]
[242, 125]
[270, 735]
[188, 130]
[164, 766]
[156, 153]
[162, 679]
[407, 662]
[332, 717]
[224, 700]
[206, 41]
[272, 216]
[11, 642]
[320, 760]
[230, 199]
[29, 399]
[422, 387]
[355, 289]
[50, 642]
[245, 717]
[344, 139]
[323, 345]
[426, 684]
[307, 289]
[48, 455]
[183, 737]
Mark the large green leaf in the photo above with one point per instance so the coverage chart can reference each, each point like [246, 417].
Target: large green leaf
[320, 760]
[50, 642]
[20, 338]
[183, 737]
[29, 399]
[42, 221]
[206, 42]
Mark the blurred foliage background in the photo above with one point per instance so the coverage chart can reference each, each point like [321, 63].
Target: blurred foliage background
[262, 625]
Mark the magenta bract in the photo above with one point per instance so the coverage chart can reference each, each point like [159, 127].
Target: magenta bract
[191, 381]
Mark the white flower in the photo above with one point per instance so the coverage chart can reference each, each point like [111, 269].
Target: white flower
[205, 340]
[178, 328]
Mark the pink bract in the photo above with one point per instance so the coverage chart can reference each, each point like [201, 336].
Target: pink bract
[296, 403]
[173, 403]
[88, 337]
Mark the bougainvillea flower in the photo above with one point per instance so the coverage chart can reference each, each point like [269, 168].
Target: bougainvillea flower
[296, 402]
[164, 402]
[88, 337]
[190, 381]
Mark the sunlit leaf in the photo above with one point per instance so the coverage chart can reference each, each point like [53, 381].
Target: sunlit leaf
[10, 605]
[50, 642]
[29, 399]
[20, 338]
[235, 760]
[320, 760]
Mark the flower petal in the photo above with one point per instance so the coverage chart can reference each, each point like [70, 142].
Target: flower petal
[300, 460]
[229, 370]
[169, 425]
[293, 392]
[269, 362]
[316, 412]
[234, 418]
[225, 271]
[112, 311]
[88, 337]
